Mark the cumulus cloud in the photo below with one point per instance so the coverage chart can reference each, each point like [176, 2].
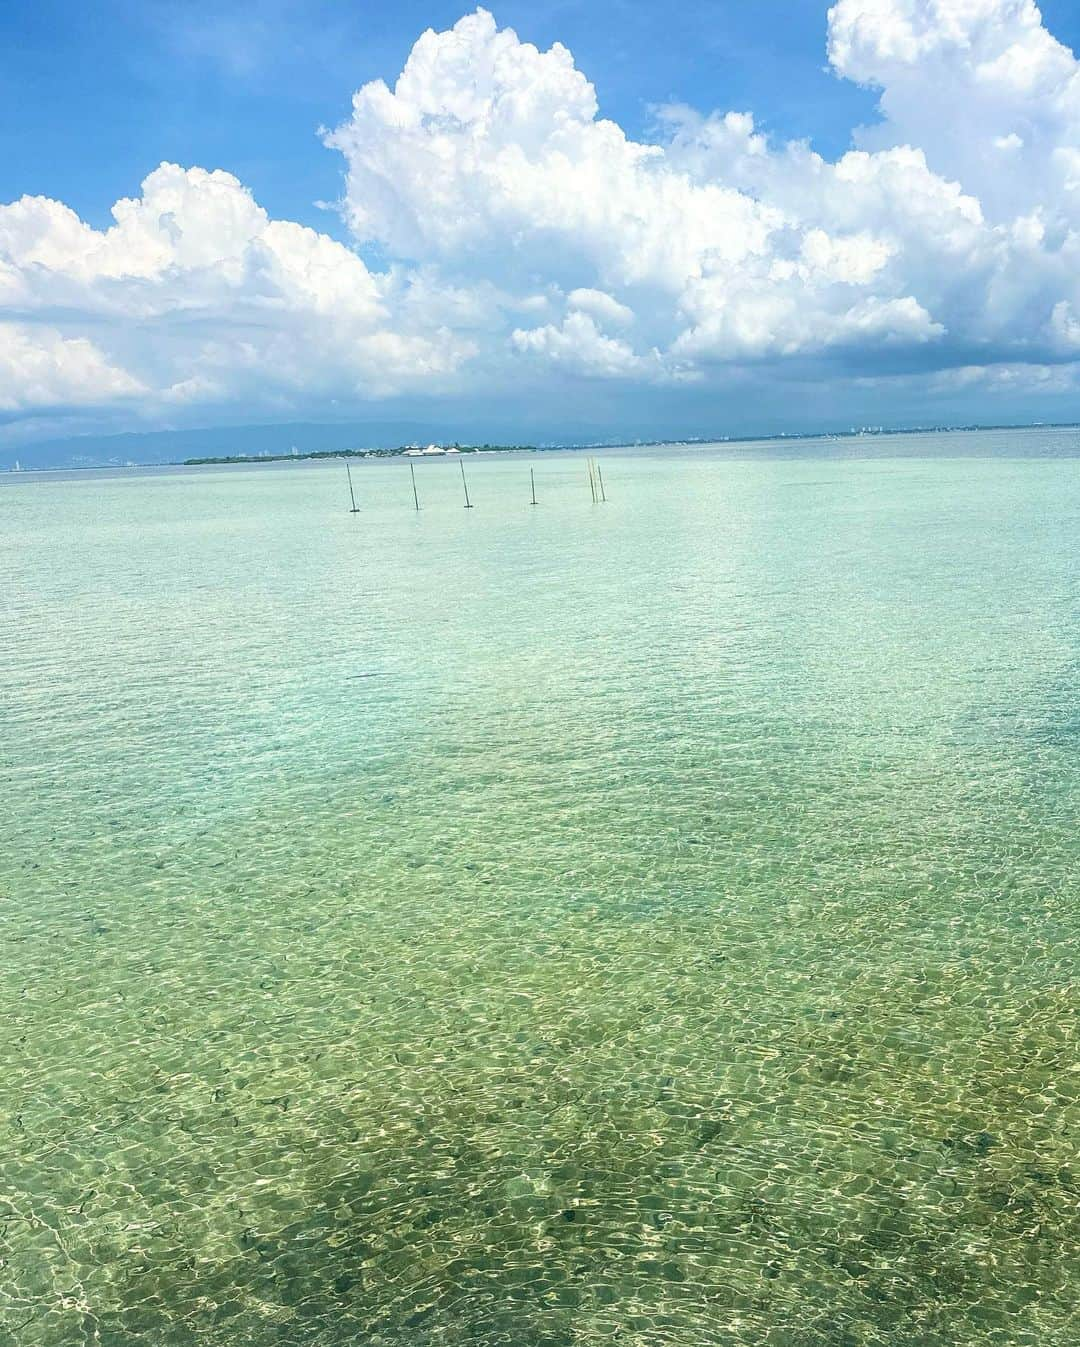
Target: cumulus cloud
[524, 231]
[601, 306]
[204, 298]
[41, 368]
[489, 155]
[965, 79]
[578, 346]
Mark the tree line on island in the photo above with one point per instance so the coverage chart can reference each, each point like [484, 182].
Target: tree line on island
[296, 455]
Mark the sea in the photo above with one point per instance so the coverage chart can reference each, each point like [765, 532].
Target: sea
[651, 920]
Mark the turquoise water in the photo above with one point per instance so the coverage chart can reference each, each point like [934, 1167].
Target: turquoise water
[649, 923]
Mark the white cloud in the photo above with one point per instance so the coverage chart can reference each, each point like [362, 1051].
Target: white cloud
[520, 226]
[488, 157]
[579, 347]
[192, 239]
[41, 368]
[488, 154]
[854, 259]
[238, 305]
[601, 306]
[961, 79]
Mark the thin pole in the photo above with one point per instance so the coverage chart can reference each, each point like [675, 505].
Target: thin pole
[355, 508]
[416, 498]
[592, 480]
[600, 479]
[464, 483]
[532, 479]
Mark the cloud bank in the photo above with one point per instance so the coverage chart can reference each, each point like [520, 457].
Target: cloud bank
[524, 240]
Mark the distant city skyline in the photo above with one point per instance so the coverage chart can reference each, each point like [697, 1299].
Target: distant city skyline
[603, 221]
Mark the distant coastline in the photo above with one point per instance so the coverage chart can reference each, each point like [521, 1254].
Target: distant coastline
[862, 432]
[404, 450]
[610, 443]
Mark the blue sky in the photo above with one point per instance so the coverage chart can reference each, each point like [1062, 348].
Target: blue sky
[724, 282]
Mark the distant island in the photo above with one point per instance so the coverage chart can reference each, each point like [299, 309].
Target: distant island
[405, 450]
[439, 450]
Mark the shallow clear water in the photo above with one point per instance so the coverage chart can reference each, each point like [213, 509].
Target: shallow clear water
[654, 922]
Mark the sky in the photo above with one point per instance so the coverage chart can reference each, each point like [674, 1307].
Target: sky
[581, 219]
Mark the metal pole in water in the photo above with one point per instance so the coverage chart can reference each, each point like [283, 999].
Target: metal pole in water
[355, 508]
[465, 484]
[532, 480]
[416, 498]
[600, 479]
